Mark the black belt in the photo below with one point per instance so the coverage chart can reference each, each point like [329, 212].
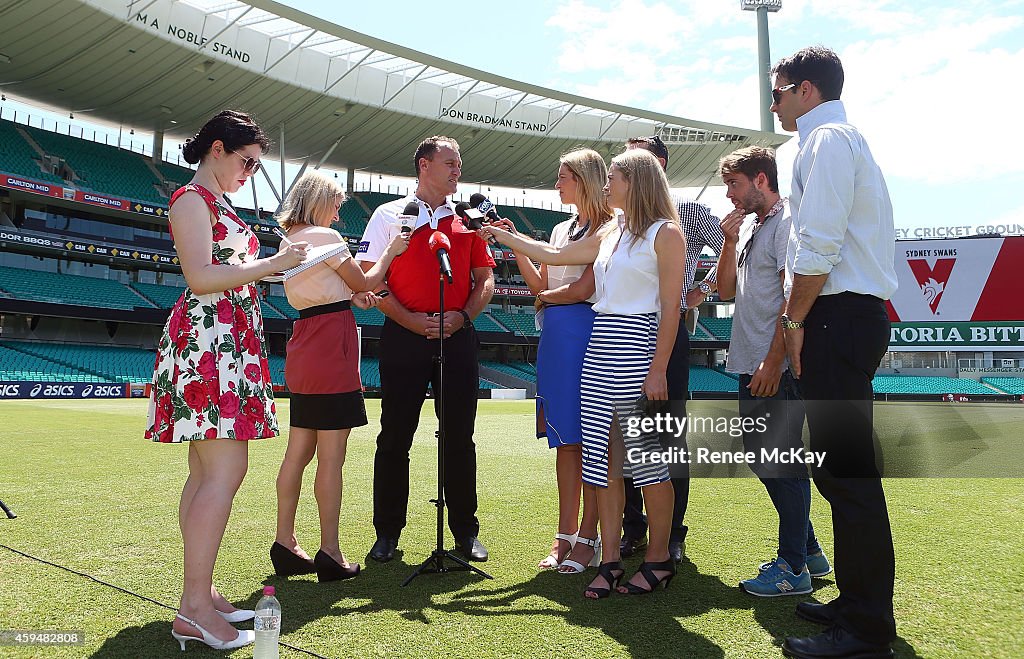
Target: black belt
[321, 309]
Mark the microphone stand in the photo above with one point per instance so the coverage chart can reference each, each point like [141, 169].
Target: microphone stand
[434, 564]
[7, 511]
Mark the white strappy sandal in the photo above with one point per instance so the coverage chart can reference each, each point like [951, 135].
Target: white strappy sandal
[245, 637]
[550, 562]
[576, 566]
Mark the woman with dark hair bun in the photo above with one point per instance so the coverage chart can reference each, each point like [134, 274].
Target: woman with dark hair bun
[211, 386]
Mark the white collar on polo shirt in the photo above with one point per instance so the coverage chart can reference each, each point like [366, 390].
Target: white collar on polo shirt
[431, 217]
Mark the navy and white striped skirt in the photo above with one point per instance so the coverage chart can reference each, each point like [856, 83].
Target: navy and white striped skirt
[618, 358]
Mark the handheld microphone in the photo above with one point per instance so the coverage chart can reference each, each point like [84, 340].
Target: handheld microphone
[484, 205]
[473, 219]
[407, 219]
[439, 244]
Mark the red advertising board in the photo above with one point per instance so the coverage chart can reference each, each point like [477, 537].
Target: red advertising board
[972, 279]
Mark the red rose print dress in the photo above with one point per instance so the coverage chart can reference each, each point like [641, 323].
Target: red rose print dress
[211, 377]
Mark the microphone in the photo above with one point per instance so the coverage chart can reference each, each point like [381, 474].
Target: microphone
[407, 219]
[484, 205]
[439, 244]
[472, 219]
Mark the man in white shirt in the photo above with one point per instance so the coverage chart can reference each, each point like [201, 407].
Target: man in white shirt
[839, 271]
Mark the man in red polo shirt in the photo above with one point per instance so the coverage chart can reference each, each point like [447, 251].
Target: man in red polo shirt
[409, 347]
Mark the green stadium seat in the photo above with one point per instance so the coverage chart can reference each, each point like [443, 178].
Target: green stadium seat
[520, 324]
[17, 157]
[1009, 385]
[913, 384]
[720, 328]
[164, 297]
[510, 369]
[62, 362]
[484, 323]
[53, 287]
[705, 379]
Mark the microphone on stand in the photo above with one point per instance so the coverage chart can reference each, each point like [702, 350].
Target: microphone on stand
[407, 218]
[439, 245]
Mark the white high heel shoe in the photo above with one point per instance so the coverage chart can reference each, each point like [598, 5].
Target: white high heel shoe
[245, 637]
[575, 567]
[550, 562]
[238, 615]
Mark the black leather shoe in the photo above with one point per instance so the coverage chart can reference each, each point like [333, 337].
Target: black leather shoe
[677, 549]
[821, 614]
[472, 549]
[628, 545]
[384, 549]
[834, 643]
[288, 564]
[327, 569]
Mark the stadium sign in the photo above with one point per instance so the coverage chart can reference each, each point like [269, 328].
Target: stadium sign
[126, 252]
[33, 389]
[490, 120]
[28, 185]
[517, 291]
[959, 231]
[931, 336]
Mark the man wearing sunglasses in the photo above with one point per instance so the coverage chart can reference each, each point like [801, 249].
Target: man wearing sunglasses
[757, 352]
[839, 272]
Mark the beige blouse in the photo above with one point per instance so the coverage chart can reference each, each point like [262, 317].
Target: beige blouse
[321, 284]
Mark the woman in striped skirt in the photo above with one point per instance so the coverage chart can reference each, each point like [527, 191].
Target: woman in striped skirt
[638, 272]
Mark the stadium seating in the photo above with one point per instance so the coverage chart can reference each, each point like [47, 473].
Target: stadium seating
[1009, 385]
[529, 369]
[59, 288]
[352, 219]
[700, 334]
[374, 199]
[484, 323]
[17, 157]
[708, 380]
[509, 369]
[16, 365]
[720, 328]
[280, 303]
[164, 297]
[108, 363]
[520, 324]
[369, 372]
[102, 168]
[269, 311]
[276, 364]
[368, 316]
[911, 384]
[543, 219]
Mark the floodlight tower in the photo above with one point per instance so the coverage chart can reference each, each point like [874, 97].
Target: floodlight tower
[762, 7]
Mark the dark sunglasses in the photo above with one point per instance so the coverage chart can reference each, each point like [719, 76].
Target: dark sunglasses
[777, 92]
[746, 248]
[250, 165]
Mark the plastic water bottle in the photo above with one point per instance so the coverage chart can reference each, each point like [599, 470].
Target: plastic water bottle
[267, 625]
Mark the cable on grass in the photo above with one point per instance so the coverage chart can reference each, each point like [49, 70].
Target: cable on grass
[133, 594]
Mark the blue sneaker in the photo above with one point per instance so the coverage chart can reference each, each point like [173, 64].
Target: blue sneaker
[776, 579]
[818, 565]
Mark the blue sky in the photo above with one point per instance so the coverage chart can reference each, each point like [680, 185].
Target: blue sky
[932, 85]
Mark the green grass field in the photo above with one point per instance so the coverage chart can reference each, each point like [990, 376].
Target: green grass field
[92, 495]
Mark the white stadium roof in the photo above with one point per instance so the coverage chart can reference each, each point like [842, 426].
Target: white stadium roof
[327, 94]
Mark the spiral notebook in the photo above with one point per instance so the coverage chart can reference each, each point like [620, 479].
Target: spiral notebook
[314, 256]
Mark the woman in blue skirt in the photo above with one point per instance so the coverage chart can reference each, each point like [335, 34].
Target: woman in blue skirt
[565, 295]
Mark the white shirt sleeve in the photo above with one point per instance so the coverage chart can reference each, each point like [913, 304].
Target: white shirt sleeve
[827, 198]
[375, 238]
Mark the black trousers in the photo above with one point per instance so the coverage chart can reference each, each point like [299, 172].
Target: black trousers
[408, 362]
[634, 521]
[845, 337]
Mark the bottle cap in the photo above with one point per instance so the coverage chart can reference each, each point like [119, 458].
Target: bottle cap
[268, 590]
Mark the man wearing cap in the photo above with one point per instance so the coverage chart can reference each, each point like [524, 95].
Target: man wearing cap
[409, 348]
[701, 229]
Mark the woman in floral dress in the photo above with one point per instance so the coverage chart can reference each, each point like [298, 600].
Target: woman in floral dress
[211, 386]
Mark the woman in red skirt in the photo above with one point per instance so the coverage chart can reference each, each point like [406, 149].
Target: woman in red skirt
[322, 373]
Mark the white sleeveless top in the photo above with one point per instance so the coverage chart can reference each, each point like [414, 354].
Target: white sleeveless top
[560, 275]
[627, 278]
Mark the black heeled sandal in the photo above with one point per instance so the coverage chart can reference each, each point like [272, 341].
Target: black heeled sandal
[328, 569]
[287, 563]
[605, 570]
[647, 571]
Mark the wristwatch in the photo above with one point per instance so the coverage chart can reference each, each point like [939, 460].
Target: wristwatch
[466, 320]
[791, 324]
[705, 288]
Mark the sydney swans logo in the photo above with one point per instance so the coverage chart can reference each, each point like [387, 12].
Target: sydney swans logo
[932, 279]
